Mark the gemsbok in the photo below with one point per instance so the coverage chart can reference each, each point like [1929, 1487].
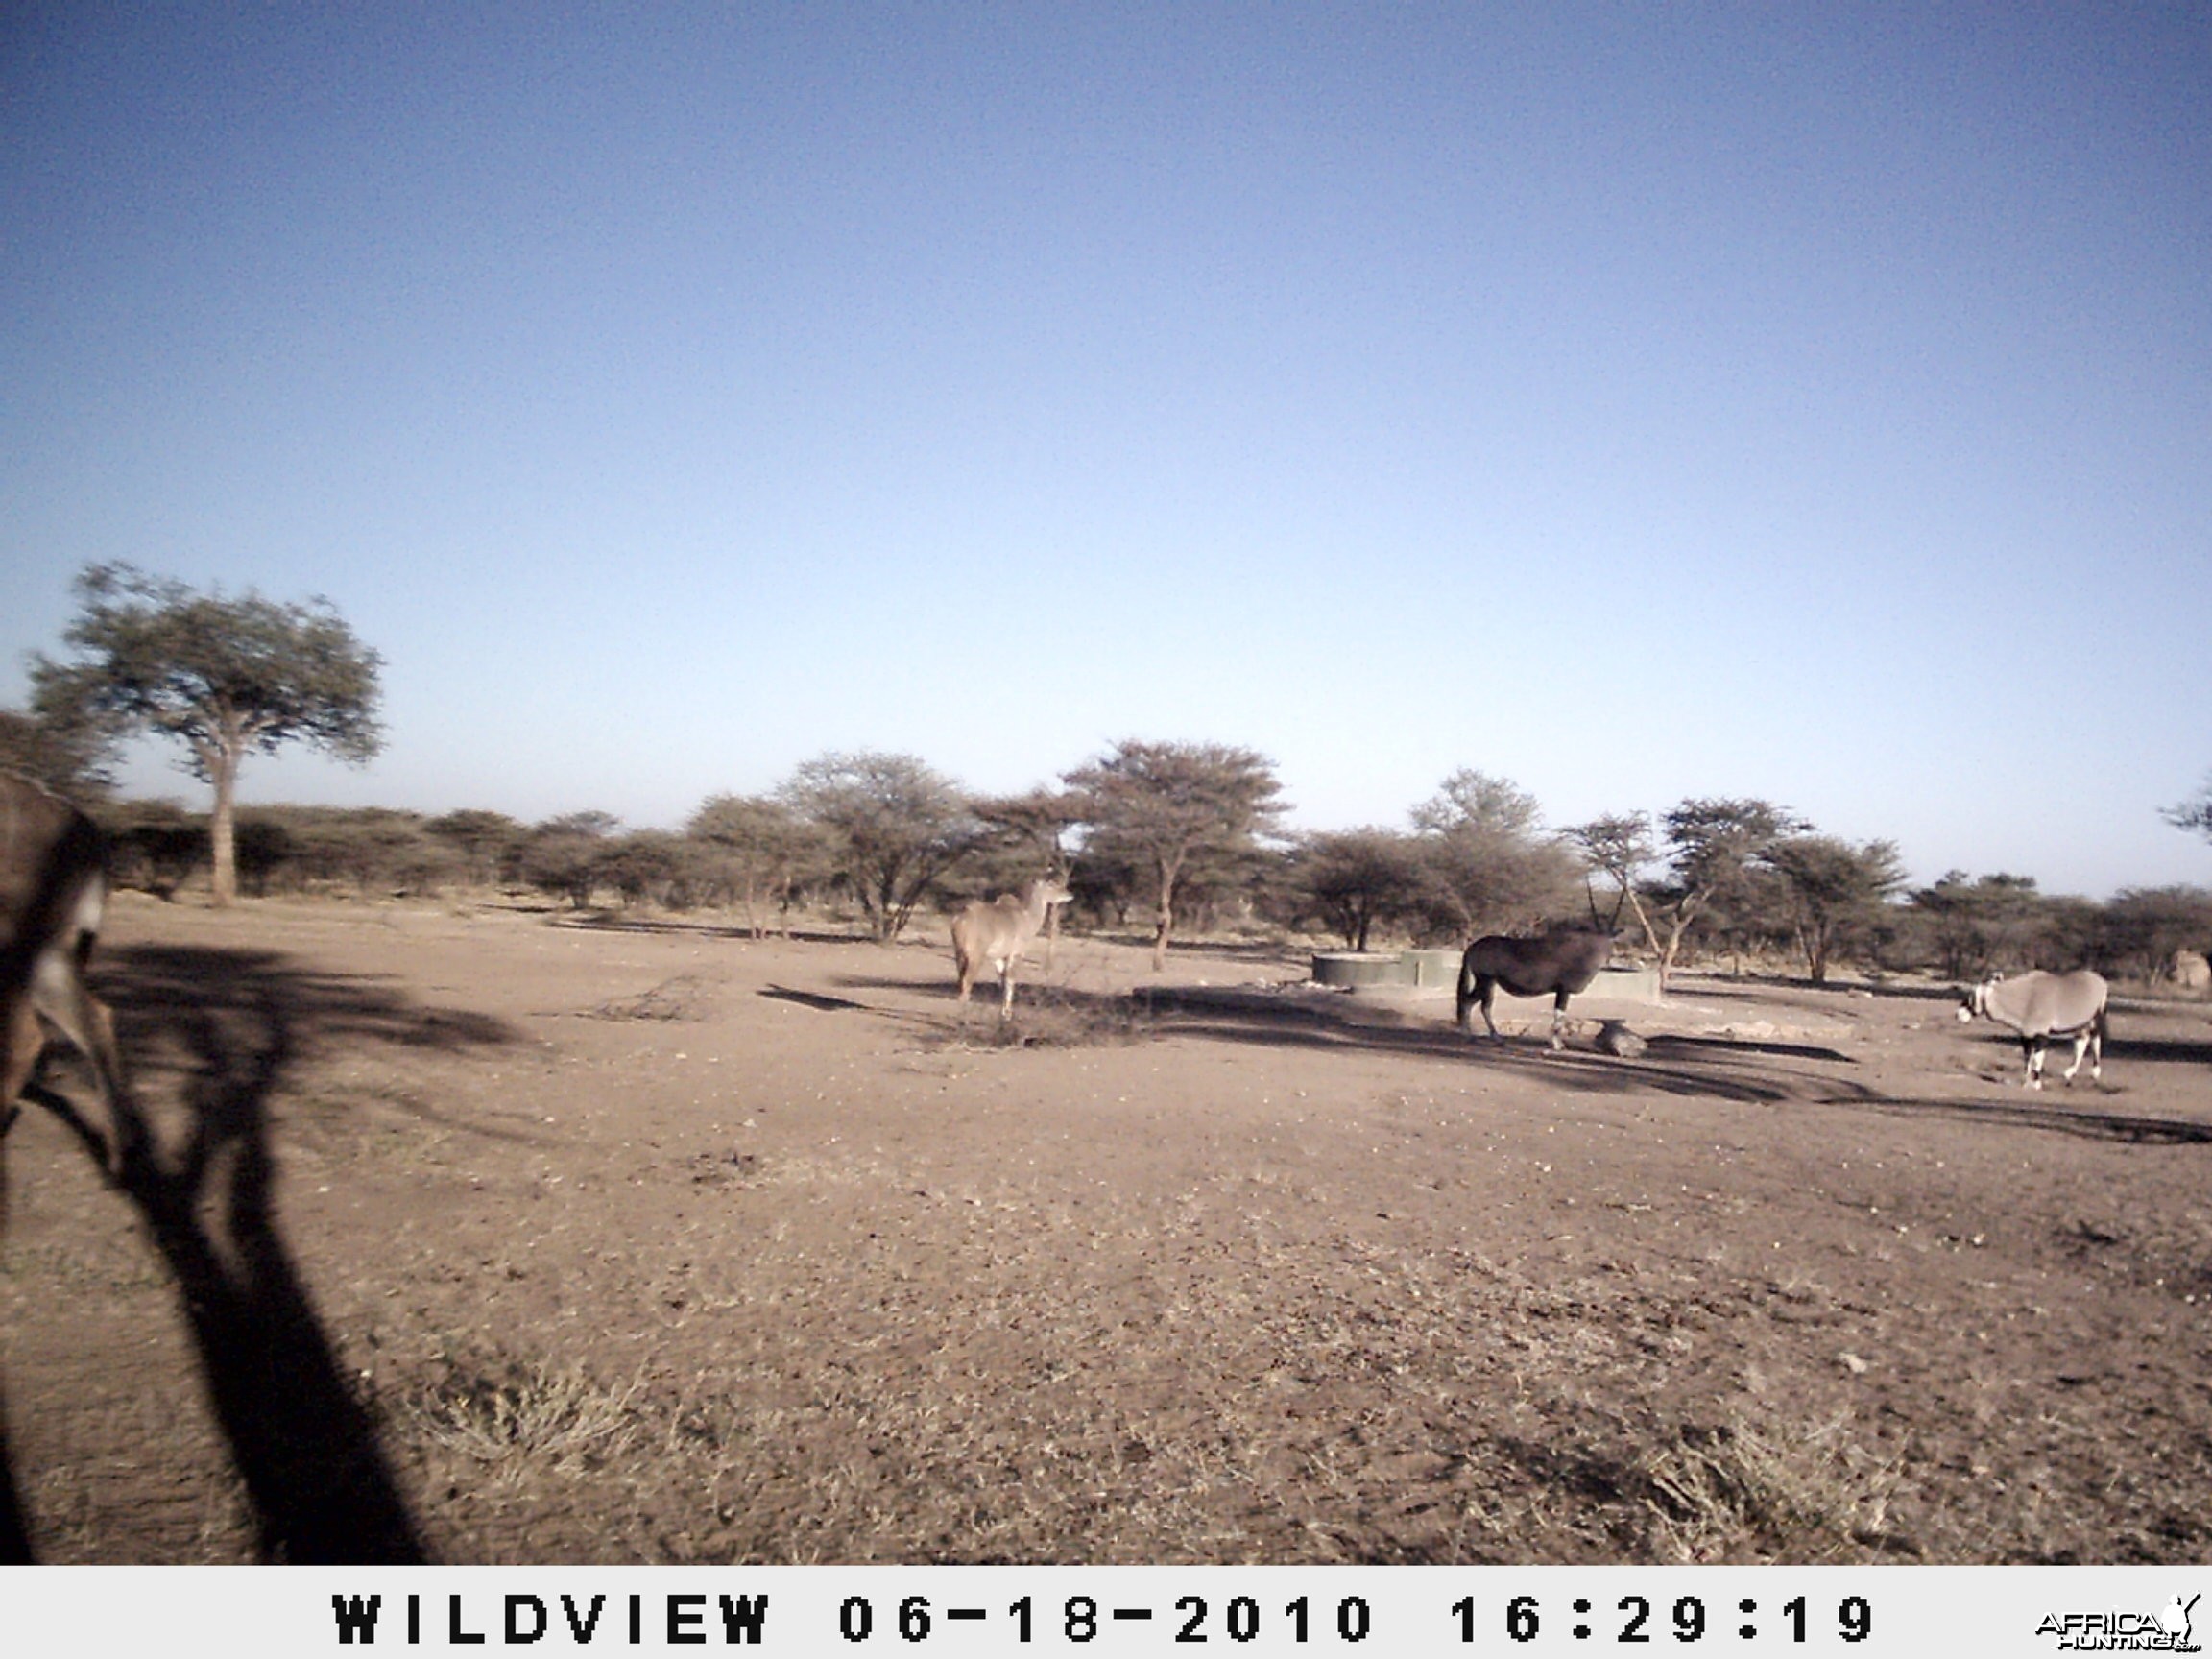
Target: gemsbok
[2040, 1006]
[996, 933]
[1558, 964]
[52, 893]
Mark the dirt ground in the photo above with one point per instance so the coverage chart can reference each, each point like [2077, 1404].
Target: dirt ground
[480, 1235]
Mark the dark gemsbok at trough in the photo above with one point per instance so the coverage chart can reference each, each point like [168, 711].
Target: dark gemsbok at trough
[996, 933]
[52, 893]
[1557, 964]
[2040, 1006]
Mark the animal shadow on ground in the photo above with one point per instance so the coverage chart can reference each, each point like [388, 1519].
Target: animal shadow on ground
[601, 921]
[1749, 1072]
[2179, 1050]
[813, 999]
[235, 1023]
[1716, 1070]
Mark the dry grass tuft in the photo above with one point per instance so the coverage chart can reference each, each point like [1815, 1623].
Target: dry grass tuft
[1739, 1493]
[1052, 1017]
[521, 1418]
[683, 998]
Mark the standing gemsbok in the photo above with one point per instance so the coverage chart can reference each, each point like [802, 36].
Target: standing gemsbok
[2041, 1006]
[52, 892]
[1557, 964]
[996, 933]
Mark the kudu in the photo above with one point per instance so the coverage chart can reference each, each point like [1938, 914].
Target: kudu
[996, 933]
[52, 893]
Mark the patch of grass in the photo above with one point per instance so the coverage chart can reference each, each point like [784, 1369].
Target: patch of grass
[1741, 1493]
[519, 1418]
[83, 1270]
[1051, 1018]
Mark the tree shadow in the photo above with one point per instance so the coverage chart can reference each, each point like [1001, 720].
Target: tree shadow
[1264, 951]
[14, 1529]
[2178, 1050]
[2027, 1111]
[305, 1444]
[614, 921]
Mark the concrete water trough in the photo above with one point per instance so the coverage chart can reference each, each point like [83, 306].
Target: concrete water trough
[1359, 970]
[1438, 970]
[1431, 969]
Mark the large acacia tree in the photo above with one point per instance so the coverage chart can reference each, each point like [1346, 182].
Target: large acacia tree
[1837, 891]
[1356, 880]
[226, 677]
[894, 823]
[763, 849]
[1166, 807]
[1715, 847]
[1493, 867]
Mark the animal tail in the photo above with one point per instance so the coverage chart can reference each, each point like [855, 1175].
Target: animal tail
[1466, 989]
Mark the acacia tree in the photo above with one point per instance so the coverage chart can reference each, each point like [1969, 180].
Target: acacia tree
[895, 825]
[1030, 825]
[1493, 866]
[1164, 805]
[487, 844]
[2195, 813]
[1619, 846]
[67, 756]
[1837, 891]
[1357, 880]
[225, 676]
[1715, 847]
[563, 856]
[764, 849]
[1975, 923]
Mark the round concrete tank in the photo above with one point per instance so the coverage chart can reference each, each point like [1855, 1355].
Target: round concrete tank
[1351, 969]
[1428, 969]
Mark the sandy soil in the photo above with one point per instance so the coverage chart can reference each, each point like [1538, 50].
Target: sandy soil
[474, 1234]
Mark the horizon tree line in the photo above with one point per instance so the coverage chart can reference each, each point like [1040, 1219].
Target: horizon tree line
[1732, 882]
[1176, 831]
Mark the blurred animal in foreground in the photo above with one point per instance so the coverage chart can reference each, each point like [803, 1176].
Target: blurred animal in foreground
[53, 894]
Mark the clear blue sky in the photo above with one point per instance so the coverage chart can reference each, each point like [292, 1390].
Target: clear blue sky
[1635, 403]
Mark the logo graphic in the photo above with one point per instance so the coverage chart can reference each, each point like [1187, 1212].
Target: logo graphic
[2165, 1631]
